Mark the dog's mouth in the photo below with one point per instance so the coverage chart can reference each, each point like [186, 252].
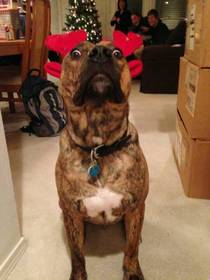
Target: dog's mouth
[99, 88]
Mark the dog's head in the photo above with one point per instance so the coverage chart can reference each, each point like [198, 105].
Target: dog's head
[95, 74]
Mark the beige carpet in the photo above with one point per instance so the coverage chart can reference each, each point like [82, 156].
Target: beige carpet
[176, 234]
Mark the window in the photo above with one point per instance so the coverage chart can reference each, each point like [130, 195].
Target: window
[171, 11]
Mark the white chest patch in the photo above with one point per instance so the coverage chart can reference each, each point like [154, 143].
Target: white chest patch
[104, 201]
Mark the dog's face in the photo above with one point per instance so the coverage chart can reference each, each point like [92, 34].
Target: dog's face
[95, 74]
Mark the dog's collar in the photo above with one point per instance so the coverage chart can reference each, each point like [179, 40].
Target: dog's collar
[104, 150]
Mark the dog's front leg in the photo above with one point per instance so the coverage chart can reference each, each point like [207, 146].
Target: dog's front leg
[133, 225]
[75, 232]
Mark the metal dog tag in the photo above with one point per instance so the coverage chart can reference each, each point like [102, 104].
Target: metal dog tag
[94, 170]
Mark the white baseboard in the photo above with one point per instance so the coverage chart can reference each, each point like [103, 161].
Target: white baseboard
[9, 264]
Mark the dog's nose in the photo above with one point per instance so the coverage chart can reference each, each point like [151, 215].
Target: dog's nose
[100, 54]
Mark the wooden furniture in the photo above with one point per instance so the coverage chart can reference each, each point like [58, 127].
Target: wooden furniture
[40, 30]
[32, 50]
[11, 47]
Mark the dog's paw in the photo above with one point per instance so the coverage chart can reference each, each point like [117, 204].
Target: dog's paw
[133, 272]
[78, 276]
[128, 276]
[135, 277]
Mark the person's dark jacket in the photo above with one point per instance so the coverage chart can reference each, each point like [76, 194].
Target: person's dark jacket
[125, 21]
[178, 35]
[138, 28]
[159, 33]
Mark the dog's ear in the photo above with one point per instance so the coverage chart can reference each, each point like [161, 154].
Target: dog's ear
[71, 72]
[125, 79]
[69, 79]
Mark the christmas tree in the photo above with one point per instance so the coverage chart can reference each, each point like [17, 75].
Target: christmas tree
[84, 15]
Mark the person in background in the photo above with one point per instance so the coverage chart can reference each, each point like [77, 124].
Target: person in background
[158, 30]
[139, 24]
[22, 18]
[178, 35]
[122, 17]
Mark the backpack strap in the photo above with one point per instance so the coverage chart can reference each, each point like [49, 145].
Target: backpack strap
[34, 70]
[28, 129]
[41, 116]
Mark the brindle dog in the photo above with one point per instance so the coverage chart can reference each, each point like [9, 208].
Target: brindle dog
[95, 85]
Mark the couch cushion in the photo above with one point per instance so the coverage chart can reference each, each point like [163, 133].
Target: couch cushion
[162, 52]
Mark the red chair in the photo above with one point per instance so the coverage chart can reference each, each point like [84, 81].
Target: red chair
[53, 68]
[136, 67]
[64, 43]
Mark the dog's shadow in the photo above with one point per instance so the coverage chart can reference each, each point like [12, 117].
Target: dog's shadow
[102, 240]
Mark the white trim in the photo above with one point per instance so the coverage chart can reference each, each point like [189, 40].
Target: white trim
[9, 264]
[62, 11]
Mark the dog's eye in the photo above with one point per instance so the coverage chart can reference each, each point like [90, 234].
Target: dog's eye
[117, 53]
[76, 53]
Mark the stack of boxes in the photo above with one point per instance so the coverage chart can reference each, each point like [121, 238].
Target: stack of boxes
[193, 116]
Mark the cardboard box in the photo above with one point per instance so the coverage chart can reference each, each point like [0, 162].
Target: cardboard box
[194, 99]
[193, 161]
[198, 32]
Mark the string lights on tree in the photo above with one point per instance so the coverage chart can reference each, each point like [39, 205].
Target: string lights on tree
[82, 14]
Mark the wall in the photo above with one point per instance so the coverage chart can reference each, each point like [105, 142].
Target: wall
[58, 11]
[147, 5]
[106, 11]
[135, 5]
[11, 242]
